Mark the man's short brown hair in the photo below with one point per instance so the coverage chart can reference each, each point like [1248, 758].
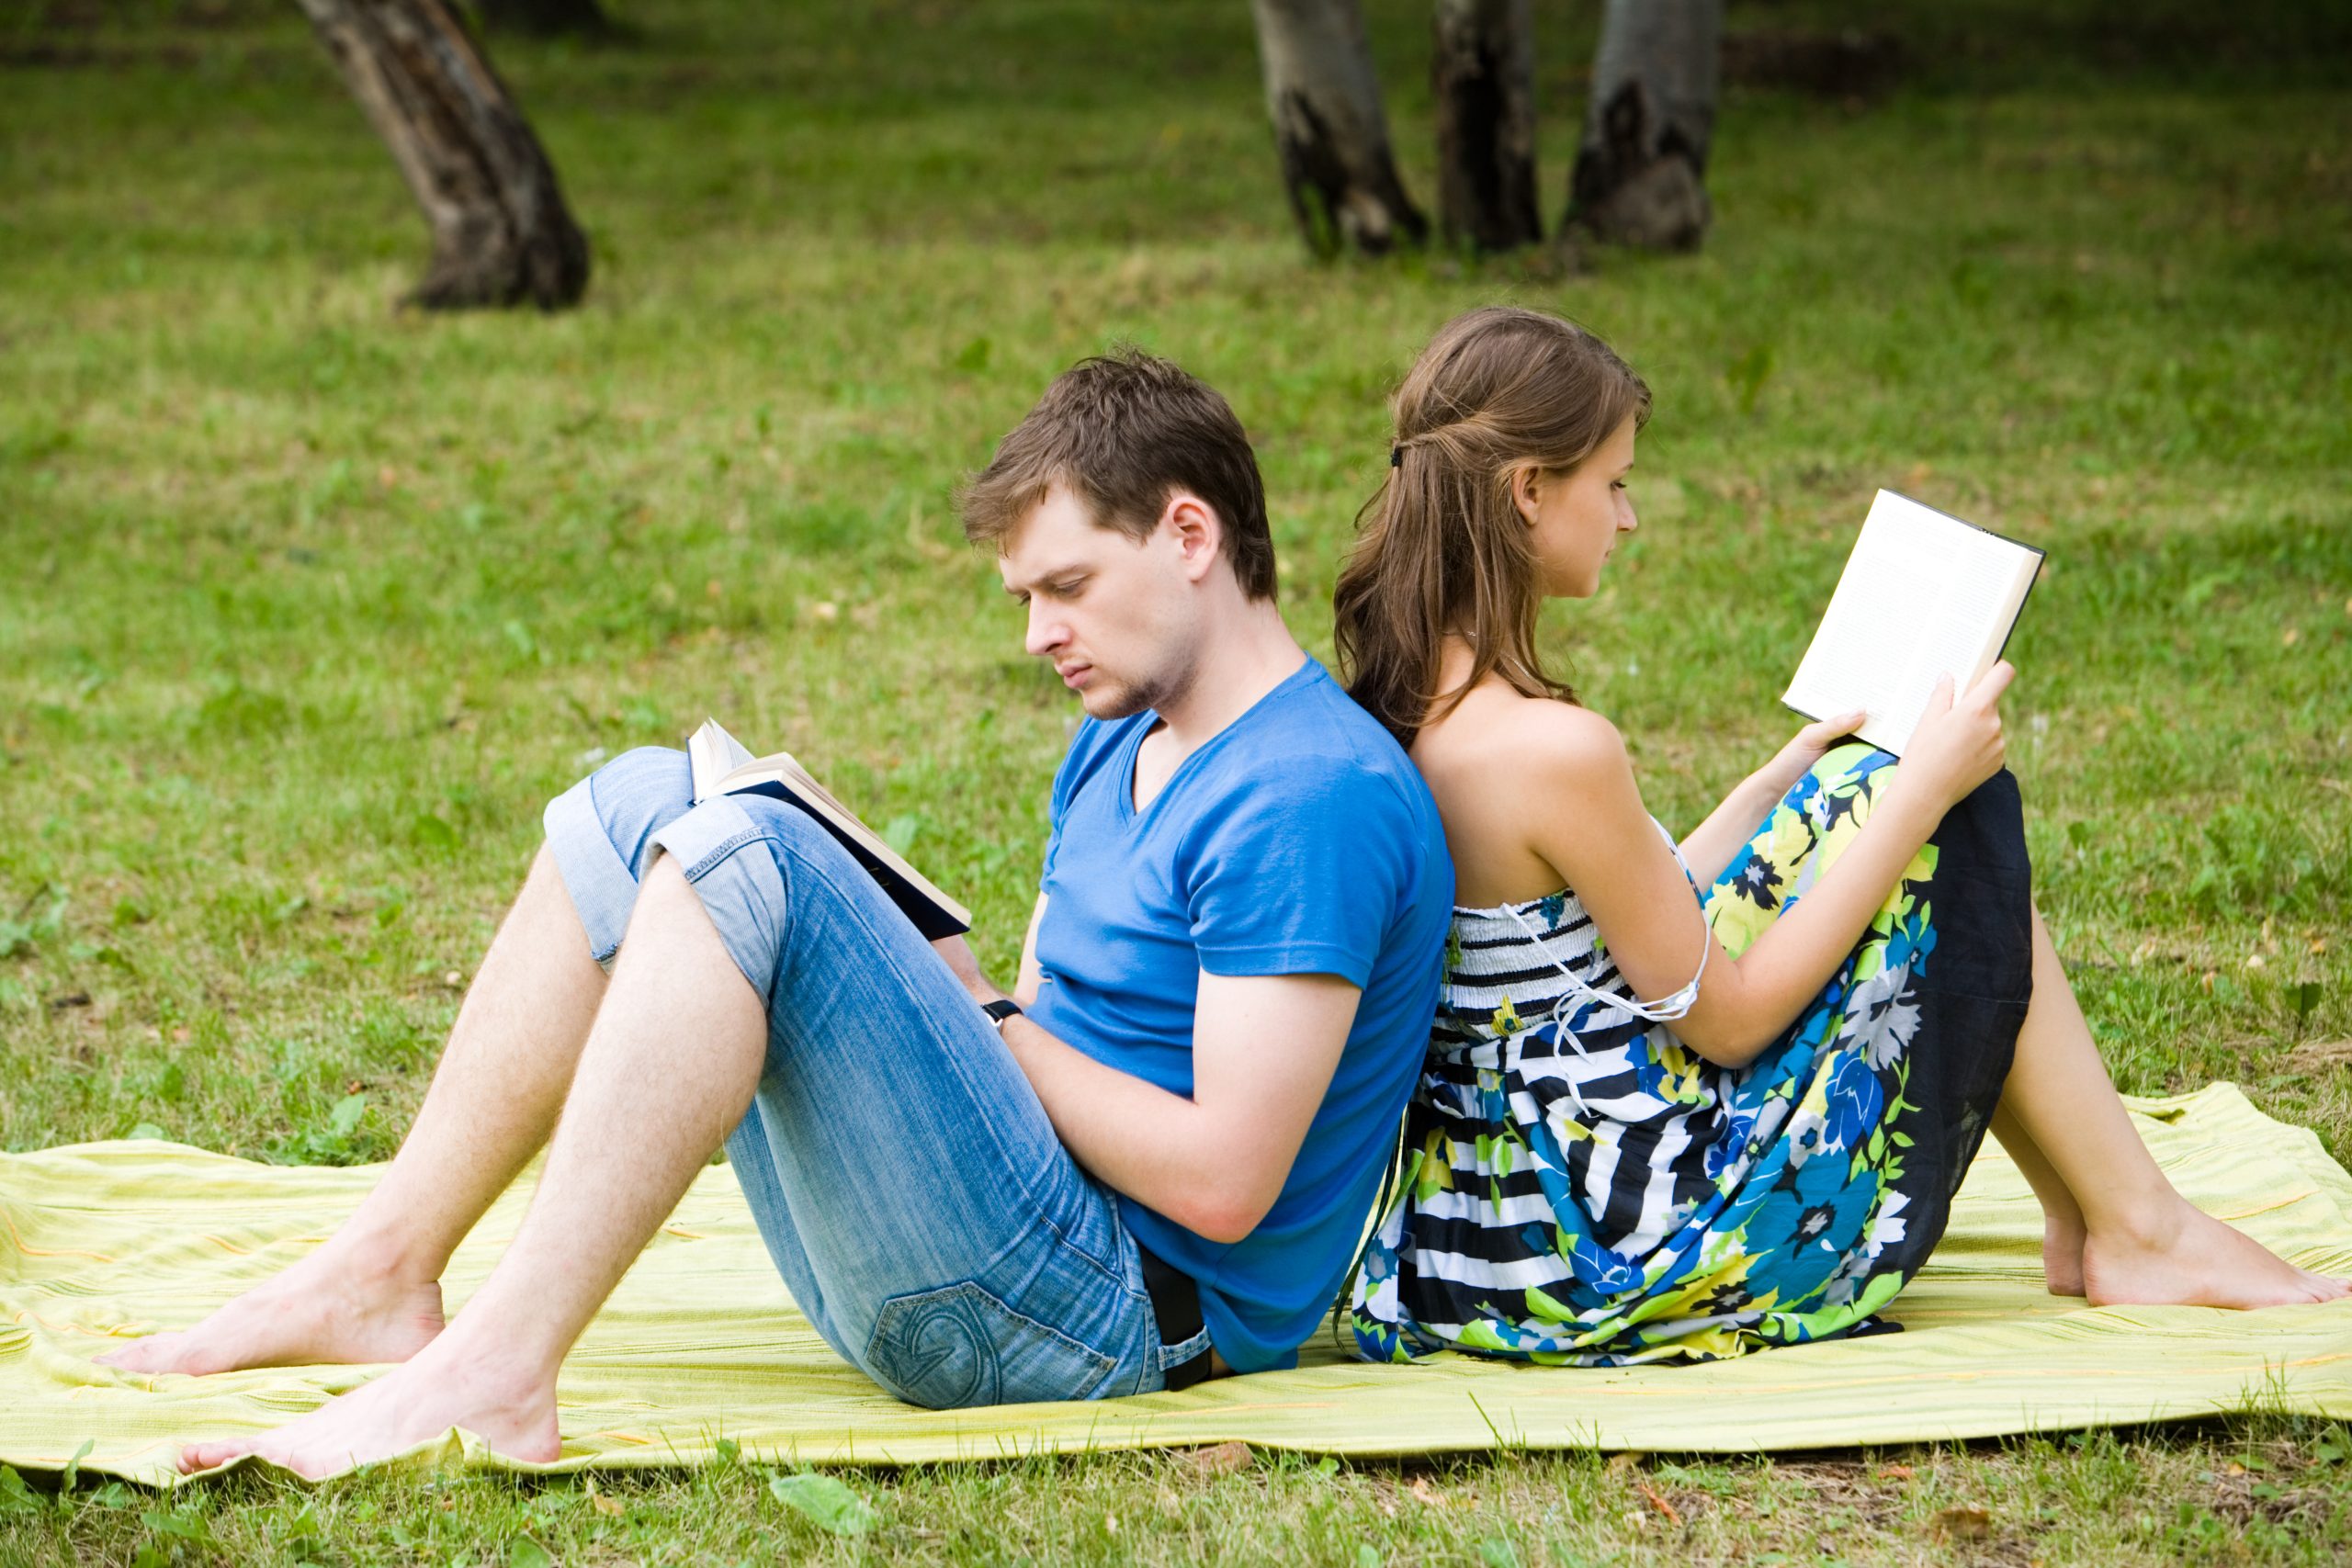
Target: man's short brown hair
[1122, 431]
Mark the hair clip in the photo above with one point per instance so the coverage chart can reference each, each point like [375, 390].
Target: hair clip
[1395, 456]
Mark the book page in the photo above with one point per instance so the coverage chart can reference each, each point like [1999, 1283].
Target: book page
[1959, 640]
[1923, 595]
[711, 755]
[781, 772]
[721, 764]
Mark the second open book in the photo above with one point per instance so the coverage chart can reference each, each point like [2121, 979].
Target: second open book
[1923, 595]
[724, 765]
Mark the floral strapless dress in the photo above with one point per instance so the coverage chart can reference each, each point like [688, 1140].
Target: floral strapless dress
[1580, 1187]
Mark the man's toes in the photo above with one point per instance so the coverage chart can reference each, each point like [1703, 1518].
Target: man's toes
[139, 1355]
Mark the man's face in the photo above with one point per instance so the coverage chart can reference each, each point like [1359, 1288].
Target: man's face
[1114, 616]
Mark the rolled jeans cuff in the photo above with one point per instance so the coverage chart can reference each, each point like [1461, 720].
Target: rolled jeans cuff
[602, 884]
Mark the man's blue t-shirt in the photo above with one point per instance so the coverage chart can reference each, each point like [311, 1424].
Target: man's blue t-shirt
[1298, 841]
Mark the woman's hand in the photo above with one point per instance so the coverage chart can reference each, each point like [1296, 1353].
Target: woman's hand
[1958, 744]
[1790, 763]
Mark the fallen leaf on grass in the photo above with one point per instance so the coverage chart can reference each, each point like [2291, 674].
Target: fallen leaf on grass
[1424, 1493]
[1225, 1458]
[1961, 1523]
[824, 1502]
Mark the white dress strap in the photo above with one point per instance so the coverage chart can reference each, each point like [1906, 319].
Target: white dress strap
[1665, 1010]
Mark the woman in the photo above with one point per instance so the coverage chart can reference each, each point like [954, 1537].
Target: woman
[1686, 1100]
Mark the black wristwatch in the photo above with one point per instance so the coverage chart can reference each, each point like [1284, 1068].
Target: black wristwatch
[999, 1011]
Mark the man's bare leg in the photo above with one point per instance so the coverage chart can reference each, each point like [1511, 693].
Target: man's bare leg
[672, 1060]
[2143, 1243]
[372, 1293]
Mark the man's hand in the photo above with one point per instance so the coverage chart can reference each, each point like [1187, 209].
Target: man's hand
[958, 954]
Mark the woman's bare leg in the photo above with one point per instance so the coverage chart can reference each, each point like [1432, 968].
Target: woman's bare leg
[2142, 1242]
[2062, 1217]
[372, 1292]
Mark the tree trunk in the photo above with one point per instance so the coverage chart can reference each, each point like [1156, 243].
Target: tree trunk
[546, 19]
[1329, 130]
[1482, 78]
[500, 232]
[1640, 176]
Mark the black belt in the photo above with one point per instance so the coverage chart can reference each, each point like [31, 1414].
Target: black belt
[1176, 1306]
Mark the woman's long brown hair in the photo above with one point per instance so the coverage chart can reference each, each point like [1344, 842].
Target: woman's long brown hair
[1441, 548]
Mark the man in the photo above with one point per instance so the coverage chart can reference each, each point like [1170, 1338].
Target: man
[1157, 1170]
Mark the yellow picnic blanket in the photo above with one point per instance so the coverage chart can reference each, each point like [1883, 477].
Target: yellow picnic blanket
[701, 1343]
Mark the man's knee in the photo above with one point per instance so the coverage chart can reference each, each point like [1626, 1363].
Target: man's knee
[637, 793]
[601, 830]
[764, 870]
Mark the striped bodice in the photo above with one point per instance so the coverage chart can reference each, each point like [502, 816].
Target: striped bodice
[1515, 1043]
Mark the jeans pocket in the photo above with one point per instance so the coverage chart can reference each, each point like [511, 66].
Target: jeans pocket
[960, 1345]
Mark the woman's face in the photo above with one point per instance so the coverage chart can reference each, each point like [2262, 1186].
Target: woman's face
[1576, 516]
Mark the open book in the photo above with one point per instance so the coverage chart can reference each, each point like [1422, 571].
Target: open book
[723, 765]
[1924, 594]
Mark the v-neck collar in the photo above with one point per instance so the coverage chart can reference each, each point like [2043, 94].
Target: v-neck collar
[1130, 815]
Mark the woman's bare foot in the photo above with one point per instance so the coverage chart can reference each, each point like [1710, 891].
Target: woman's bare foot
[331, 1307]
[2187, 1257]
[443, 1385]
[2062, 1255]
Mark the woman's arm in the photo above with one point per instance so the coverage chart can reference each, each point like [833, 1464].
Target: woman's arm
[1712, 843]
[1606, 849]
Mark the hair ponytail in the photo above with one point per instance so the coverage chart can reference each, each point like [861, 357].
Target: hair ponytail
[1441, 548]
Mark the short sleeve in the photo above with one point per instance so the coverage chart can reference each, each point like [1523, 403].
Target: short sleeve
[1302, 873]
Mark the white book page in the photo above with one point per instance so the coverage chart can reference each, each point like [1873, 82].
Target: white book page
[1924, 595]
[711, 755]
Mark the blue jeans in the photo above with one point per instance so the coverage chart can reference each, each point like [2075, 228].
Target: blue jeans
[914, 1197]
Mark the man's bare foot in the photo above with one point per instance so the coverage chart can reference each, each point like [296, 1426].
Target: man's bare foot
[442, 1386]
[327, 1308]
[2062, 1255]
[2190, 1259]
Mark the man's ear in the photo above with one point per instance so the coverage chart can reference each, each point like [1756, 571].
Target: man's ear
[1527, 490]
[1195, 528]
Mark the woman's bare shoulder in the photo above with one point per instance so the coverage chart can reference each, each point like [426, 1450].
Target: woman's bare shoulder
[1520, 780]
[1537, 741]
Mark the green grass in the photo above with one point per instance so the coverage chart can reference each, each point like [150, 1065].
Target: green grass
[308, 605]
[2256, 1493]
